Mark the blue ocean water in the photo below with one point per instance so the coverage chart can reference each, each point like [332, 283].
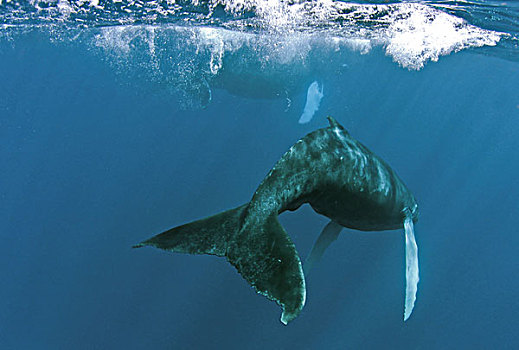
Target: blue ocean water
[119, 120]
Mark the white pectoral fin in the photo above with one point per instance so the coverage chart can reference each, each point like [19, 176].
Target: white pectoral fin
[313, 100]
[411, 271]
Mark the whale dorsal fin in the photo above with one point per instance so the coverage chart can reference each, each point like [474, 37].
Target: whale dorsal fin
[335, 124]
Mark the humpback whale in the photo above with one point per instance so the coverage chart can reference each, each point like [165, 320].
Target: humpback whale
[341, 179]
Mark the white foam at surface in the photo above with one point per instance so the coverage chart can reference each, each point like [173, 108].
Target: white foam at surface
[411, 33]
[287, 40]
[282, 44]
[215, 43]
[313, 101]
[425, 34]
[118, 39]
[64, 7]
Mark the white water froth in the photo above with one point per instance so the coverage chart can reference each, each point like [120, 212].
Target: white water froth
[426, 34]
[411, 33]
[197, 59]
[281, 47]
[313, 101]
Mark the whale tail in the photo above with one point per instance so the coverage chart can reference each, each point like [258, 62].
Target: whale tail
[261, 251]
[206, 236]
[266, 257]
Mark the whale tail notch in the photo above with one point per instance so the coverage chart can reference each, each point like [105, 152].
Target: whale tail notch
[260, 249]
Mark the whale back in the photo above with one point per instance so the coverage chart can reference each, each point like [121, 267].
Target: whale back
[340, 178]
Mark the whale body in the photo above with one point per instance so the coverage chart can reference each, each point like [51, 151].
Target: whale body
[341, 179]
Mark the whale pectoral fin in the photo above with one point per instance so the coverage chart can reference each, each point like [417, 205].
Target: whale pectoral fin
[328, 235]
[411, 271]
[266, 257]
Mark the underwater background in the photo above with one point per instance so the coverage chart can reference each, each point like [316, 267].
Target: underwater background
[121, 119]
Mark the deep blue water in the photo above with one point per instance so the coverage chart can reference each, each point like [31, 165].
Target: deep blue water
[95, 158]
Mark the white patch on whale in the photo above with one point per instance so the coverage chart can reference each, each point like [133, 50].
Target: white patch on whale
[383, 181]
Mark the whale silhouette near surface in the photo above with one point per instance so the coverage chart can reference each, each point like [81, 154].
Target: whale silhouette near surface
[341, 179]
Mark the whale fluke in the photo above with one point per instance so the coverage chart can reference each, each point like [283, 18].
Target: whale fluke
[259, 248]
[206, 236]
[265, 256]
